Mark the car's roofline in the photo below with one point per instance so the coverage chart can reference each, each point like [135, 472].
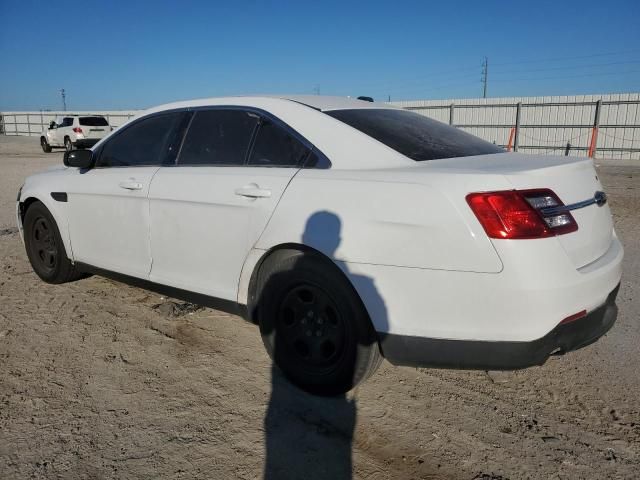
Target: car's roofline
[318, 102]
[78, 115]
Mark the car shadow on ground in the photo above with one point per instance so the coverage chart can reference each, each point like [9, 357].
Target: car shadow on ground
[308, 436]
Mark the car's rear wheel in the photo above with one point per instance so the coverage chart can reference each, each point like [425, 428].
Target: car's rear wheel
[313, 324]
[44, 246]
[46, 148]
[67, 144]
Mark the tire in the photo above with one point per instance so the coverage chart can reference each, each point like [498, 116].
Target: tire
[68, 146]
[46, 148]
[44, 247]
[313, 323]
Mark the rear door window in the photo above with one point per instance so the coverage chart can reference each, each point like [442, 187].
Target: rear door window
[276, 147]
[416, 136]
[146, 142]
[67, 122]
[218, 137]
[93, 122]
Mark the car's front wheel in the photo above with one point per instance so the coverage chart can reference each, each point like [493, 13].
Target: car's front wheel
[67, 144]
[313, 324]
[44, 246]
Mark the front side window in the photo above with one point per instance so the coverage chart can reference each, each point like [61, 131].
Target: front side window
[275, 147]
[416, 136]
[218, 137]
[145, 142]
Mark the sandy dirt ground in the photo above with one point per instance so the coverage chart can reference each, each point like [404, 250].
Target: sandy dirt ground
[100, 380]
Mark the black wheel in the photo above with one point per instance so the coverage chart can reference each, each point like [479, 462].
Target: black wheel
[67, 144]
[44, 246]
[46, 148]
[313, 324]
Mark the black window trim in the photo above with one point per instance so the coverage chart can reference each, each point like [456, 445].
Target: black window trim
[172, 139]
[179, 138]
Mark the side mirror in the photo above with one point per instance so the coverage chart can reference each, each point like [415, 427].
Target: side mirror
[52, 125]
[79, 158]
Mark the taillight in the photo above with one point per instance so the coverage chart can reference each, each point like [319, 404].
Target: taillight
[574, 317]
[77, 129]
[521, 214]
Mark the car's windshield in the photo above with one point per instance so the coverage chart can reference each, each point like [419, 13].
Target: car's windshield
[94, 121]
[416, 136]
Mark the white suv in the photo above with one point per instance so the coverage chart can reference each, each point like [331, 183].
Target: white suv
[74, 131]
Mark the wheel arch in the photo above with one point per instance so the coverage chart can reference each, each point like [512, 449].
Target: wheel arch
[24, 206]
[28, 200]
[257, 258]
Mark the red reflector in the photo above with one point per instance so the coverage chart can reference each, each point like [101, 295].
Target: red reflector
[77, 129]
[574, 317]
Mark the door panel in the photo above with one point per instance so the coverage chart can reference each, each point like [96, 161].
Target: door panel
[109, 220]
[109, 205]
[204, 221]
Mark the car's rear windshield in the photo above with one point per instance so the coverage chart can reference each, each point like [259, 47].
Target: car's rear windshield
[94, 122]
[416, 136]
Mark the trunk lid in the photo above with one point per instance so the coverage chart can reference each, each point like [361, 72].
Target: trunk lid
[94, 127]
[572, 179]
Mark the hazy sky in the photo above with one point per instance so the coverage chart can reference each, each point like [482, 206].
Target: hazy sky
[134, 54]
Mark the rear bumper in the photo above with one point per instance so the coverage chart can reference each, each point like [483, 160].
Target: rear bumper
[500, 355]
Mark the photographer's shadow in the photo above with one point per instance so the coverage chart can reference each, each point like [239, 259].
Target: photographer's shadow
[310, 437]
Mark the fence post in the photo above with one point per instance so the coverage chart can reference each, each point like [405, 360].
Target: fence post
[29, 124]
[566, 150]
[451, 110]
[593, 145]
[516, 140]
[41, 121]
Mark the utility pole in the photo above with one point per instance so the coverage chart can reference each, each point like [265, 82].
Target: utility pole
[316, 89]
[64, 99]
[485, 74]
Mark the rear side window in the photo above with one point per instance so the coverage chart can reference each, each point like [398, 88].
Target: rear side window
[94, 122]
[416, 136]
[275, 147]
[218, 137]
[67, 122]
[146, 142]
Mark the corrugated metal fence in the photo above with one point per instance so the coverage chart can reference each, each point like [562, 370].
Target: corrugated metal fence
[609, 125]
[601, 125]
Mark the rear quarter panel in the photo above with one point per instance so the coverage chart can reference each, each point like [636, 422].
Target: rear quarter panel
[406, 222]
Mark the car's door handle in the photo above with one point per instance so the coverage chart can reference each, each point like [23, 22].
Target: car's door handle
[130, 185]
[253, 191]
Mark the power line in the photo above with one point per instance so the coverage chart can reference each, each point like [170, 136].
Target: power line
[389, 83]
[568, 76]
[571, 67]
[557, 59]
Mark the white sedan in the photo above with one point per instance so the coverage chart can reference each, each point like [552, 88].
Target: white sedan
[347, 230]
